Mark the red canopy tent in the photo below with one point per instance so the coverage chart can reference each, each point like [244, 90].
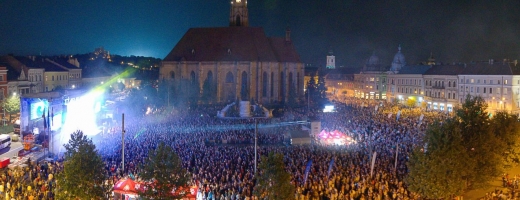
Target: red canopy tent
[128, 189]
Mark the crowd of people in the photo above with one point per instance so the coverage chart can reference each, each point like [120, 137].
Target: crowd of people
[220, 156]
[219, 153]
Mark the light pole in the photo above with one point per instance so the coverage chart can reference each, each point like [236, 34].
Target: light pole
[123, 140]
[256, 138]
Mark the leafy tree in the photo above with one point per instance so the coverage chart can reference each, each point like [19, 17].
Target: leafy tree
[311, 88]
[410, 102]
[11, 105]
[321, 91]
[209, 91]
[83, 174]
[273, 181]
[163, 173]
[437, 170]
[507, 127]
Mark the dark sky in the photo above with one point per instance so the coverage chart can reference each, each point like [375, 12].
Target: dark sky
[462, 30]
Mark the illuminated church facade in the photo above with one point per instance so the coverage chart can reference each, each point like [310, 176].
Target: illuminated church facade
[240, 61]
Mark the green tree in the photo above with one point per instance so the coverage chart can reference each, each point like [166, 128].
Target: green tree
[11, 105]
[273, 181]
[321, 90]
[507, 127]
[437, 170]
[163, 173]
[310, 92]
[410, 102]
[293, 96]
[83, 173]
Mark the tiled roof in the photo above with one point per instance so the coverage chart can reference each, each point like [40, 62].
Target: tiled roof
[414, 69]
[486, 68]
[39, 62]
[14, 67]
[445, 70]
[231, 44]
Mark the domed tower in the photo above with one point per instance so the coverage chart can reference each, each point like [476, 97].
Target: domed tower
[373, 60]
[398, 61]
[238, 15]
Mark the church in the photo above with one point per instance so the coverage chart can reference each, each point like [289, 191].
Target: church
[240, 61]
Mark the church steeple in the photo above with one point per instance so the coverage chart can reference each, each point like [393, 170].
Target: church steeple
[238, 15]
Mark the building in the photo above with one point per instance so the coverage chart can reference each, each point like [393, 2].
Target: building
[441, 87]
[498, 83]
[240, 60]
[407, 84]
[399, 60]
[370, 83]
[331, 60]
[340, 83]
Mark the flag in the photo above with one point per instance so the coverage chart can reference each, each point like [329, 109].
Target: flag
[52, 117]
[389, 115]
[330, 167]
[48, 119]
[373, 163]
[44, 119]
[376, 108]
[398, 115]
[421, 117]
[307, 170]
[396, 154]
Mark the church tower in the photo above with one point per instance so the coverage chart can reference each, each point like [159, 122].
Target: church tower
[331, 60]
[238, 15]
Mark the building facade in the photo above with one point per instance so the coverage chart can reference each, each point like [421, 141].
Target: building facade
[241, 61]
[407, 84]
[371, 83]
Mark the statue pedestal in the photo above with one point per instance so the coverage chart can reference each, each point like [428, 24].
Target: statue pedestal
[245, 109]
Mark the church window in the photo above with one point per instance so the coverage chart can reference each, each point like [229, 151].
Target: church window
[291, 83]
[193, 78]
[272, 84]
[244, 90]
[282, 86]
[238, 20]
[229, 78]
[172, 75]
[264, 84]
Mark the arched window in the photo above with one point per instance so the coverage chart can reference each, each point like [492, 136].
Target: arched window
[291, 83]
[264, 84]
[244, 91]
[210, 77]
[272, 84]
[238, 20]
[282, 86]
[229, 78]
[172, 75]
[297, 82]
[193, 77]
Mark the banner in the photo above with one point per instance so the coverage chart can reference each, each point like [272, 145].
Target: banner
[398, 115]
[307, 170]
[373, 163]
[421, 117]
[44, 119]
[389, 115]
[376, 108]
[330, 167]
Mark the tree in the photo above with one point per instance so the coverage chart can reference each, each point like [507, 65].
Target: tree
[209, 91]
[321, 91]
[293, 97]
[273, 181]
[310, 92]
[507, 127]
[83, 173]
[410, 102]
[437, 170]
[11, 105]
[163, 173]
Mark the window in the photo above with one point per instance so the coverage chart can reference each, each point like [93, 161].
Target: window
[478, 90]
[449, 83]
[229, 77]
[498, 90]
[484, 90]
[484, 81]
[449, 95]
[505, 90]
[498, 82]
[467, 80]
[490, 81]
[453, 83]
[453, 95]
[472, 81]
[505, 82]
[478, 80]
[52, 78]
[490, 90]
[471, 89]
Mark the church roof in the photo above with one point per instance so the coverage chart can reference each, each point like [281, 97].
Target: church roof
[232, 44]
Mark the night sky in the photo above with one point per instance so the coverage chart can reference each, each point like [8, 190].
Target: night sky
[455, 31]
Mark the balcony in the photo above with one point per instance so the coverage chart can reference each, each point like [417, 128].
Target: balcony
[438, 87]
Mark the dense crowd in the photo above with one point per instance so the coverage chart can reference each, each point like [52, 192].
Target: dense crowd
[219, 155]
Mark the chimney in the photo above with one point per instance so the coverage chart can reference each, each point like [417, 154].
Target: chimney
[288, 35]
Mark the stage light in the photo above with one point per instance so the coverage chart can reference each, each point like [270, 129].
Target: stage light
[328, 109]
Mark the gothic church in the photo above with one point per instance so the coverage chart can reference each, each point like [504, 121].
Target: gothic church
[241, 61]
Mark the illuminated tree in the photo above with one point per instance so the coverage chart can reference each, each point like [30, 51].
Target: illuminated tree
[11, 105]
[410, 102]
[83, 175]
[163, 173]
[273, 181]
